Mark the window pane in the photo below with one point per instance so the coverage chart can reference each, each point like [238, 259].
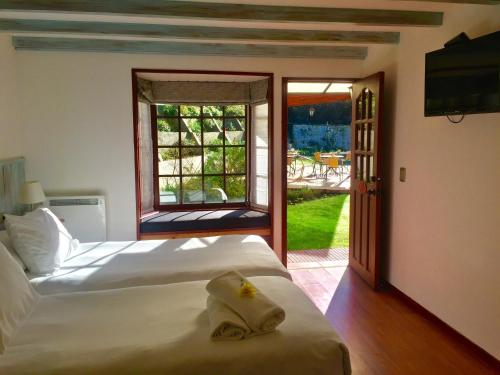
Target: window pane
[235, 131]
[190, 110]
[168, 161]
[214, 189]
[213, 163]
[235, 160]
[235, 124]
[212, 110]
[166, 110]
[235, 110]
[191, 190]
[236, 188]
[169, 190]
[191, 160]
[212, 132]
[191, 132]
[168, 132]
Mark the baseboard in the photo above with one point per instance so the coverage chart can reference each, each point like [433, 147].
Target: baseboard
[452, 332]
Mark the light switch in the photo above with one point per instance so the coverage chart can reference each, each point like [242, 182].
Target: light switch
[402, 174]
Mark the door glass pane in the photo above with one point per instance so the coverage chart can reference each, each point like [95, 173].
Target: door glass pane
[368, 104]
[191, 160]
[359, 107]
[359, 167]
[372, 137]
[192, 191]
[366, 128]
[214, 160]
[235, 160]
[372, 171]
[168, 161]
[367, 170]
[212, 131]
[168, 131]
[358, 136]
[214, 189]
[191, 131]
[236, 188]
[190, 110]
[169, 188]
[365, 95]
[373, 106]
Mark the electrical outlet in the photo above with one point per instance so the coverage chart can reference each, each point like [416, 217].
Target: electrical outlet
[402, 174]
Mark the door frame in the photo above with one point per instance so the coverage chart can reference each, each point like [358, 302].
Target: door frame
[284, 147]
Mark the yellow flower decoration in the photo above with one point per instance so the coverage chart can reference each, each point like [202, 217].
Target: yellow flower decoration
[247, 289]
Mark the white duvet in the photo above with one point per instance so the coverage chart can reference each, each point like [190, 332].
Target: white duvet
[164, 330]
[110, 265]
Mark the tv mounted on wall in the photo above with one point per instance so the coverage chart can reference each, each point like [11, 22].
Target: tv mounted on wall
[463, 77]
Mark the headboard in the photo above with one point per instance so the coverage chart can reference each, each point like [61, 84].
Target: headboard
[12, 178]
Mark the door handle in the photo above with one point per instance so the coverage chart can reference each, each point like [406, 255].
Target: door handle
[374, 191]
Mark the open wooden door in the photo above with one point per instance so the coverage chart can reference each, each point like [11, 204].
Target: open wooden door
[364, 236]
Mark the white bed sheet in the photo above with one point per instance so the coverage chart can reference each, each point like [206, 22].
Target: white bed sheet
[164, 330]
[110, 265]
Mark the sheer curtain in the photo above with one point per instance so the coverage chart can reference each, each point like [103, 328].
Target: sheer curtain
[259, 143]
[146, 158]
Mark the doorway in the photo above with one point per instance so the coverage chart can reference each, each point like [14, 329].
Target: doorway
[332, 173]
[318, 158]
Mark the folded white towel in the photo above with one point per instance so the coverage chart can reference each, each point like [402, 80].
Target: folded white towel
[225, 324]
[260, 313]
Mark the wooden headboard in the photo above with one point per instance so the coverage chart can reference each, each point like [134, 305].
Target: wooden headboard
[12, 178]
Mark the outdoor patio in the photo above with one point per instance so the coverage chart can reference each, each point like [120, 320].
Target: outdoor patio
[302, 172]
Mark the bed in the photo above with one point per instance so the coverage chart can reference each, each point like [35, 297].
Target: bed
[109, 265]
[163, 329]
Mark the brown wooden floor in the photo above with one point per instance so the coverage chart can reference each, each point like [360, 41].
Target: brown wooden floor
[384, 334]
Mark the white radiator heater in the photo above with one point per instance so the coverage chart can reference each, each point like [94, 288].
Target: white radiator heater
[83, 216]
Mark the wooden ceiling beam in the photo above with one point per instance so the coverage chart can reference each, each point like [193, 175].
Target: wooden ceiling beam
[481, 2]
[193, 32]
[182, 48]
[204, 10]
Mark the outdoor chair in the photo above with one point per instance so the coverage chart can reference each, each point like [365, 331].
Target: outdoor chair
[290, 165]
[346, 163]
[332, 164]
[318, 161]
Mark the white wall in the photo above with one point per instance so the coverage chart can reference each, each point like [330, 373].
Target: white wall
[444, 242]
[9, 120]
[77, 119]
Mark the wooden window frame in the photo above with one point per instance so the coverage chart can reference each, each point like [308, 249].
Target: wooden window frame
[156, 175]
[135, 72]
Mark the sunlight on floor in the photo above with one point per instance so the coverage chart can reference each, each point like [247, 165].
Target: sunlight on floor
[319, 283]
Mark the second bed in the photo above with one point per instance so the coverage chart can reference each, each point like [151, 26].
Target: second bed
[111, 265]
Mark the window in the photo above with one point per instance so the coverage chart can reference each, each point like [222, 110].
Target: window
[202, 155]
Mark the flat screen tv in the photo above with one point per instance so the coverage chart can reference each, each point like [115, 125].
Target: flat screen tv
[463, 77]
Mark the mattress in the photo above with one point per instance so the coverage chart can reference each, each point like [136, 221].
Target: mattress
[110, 265]
[164, 330]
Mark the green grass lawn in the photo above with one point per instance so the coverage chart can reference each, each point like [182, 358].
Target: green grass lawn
[319, 224]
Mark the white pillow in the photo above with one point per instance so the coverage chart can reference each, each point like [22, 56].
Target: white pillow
[4, 238]
[40, 239]
[17, 297]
